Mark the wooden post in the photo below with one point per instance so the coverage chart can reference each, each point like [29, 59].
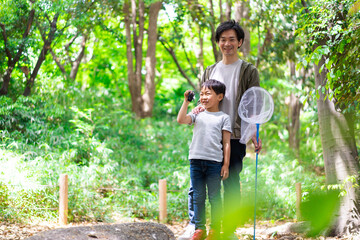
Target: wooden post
[63, 199]
[298, 200]
[162, 201]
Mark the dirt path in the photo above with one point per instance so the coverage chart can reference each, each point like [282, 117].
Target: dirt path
[264, 230]
[16, 231]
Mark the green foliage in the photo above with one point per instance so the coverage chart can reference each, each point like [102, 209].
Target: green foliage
[4, 201]
[332, 32]
[35, 203]
[27, 115]
[102, 146]
[319, 211]
[278, 171]
[114, 161]
[239, 216]
[85, 127]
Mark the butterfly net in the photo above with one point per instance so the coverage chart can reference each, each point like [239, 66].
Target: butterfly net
[256, 107]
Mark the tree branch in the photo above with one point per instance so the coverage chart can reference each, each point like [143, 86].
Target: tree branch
[267, 41]
[7, 50]
[172, 53]
[306, 8]
[45, 49]
[182, 45]
[76, 64]
[46, 16]
[67, 45]
[213, 33]
[25, 35]
[58, 63]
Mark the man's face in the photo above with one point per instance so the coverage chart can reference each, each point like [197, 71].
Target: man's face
[228, 43]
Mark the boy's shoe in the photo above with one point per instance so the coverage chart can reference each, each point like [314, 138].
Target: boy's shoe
[199, 234]
[189, 232]
[213, 235]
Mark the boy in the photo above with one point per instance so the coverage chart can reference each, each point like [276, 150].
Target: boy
[209, 155]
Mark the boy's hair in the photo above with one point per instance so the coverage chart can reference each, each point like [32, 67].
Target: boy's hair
[215, 85]
[231, 24]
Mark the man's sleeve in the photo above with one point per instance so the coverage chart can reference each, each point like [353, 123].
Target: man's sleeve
[254, 80]
[204, 76]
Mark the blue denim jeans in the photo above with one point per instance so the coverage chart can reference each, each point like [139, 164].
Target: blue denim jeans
[206, 174]
[231, 185]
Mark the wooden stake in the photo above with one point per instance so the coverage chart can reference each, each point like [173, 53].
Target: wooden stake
[162, 201]
[63, 199]
[298, 200]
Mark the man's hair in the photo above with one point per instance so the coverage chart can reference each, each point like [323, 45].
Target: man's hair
[231, 24]
[215, 85]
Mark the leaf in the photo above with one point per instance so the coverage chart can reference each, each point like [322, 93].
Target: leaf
[341, 47]
[355, 8]
[319, 210]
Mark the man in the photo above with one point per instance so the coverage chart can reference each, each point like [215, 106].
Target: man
[238, 76]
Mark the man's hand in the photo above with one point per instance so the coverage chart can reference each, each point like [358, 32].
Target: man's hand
[257, 145]
[198, 109]
[224, 172]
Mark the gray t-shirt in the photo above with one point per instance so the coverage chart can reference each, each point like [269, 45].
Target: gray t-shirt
[207, 135]
[229, 75]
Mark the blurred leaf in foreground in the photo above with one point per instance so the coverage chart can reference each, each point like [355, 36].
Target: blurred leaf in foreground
[319, 211]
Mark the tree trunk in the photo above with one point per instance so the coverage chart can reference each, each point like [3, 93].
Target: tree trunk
[199, 52]
[142, 105]
[6, 81]
[294, 106]
[221, 11]
[340, 156]
[76, 64]
[228, 10]
[58, 63]
[150, 62]
[135, 94]
[42, 56]
[13, 60]
[267, 42]
[294, 123]
[197, 12]
[216, 52]
[242, 16]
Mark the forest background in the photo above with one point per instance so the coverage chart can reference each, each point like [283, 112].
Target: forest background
[92, 89]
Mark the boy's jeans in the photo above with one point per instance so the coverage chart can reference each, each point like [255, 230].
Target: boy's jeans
[204, 173]
[231, 185]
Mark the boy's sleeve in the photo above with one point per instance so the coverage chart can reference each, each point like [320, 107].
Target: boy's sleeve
[227, 124]
[193, 117]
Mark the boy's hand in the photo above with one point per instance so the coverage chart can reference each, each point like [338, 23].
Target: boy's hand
[224, 172]
[186, 95]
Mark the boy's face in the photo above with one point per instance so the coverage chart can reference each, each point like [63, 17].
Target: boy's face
[209, 99]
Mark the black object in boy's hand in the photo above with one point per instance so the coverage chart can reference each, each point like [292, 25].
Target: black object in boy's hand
[191, 96]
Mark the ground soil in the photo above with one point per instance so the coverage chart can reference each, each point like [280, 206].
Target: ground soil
[16, 231]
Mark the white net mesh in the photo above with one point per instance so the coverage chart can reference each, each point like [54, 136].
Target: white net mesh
[256, 107]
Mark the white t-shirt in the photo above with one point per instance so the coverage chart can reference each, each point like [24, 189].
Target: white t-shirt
[229, 75]
[207, 135]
